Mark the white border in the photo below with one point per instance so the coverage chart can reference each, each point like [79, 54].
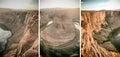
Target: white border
[80, 26]
[38, 28]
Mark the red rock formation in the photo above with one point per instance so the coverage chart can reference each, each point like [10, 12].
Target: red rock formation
[91, 24]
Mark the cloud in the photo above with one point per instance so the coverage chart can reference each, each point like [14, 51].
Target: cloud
[18, 4]
[92, 1]
[111, 5]
[59, 3]
[103, 5]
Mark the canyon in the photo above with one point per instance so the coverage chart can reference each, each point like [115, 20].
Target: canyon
[99, 33]
[23, 25]
[59, 32]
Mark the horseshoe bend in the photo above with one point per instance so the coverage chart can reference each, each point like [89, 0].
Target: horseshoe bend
[59, 35]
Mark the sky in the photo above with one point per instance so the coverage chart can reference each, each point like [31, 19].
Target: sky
[100, 4]
[19, 4]
[59, 3]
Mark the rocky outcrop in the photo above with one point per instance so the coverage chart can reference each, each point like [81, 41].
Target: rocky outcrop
[28, 45]
[99, 31]
[23, 25]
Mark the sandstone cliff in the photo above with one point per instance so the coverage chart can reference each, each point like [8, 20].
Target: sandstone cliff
[99, 31]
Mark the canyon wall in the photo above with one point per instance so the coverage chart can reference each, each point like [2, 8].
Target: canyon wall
[24, 26]
[98, 31]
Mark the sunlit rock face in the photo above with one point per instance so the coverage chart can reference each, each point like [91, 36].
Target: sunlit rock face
[5, 34]
[100, 33]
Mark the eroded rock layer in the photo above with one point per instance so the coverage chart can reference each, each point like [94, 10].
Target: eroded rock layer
[99, 33]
